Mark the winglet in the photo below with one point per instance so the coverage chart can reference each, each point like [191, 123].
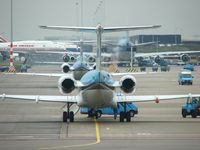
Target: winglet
[37, 98]
[3, 97]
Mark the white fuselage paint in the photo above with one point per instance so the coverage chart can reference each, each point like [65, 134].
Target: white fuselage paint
[98, 97]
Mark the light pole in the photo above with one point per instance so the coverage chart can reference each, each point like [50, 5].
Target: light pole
[11, 62]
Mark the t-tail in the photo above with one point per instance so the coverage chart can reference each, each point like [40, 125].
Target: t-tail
[99, 31]
[3, 39]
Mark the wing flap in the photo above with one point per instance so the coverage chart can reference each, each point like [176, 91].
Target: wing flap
[42, 74]
[44, 98]
[128, 98]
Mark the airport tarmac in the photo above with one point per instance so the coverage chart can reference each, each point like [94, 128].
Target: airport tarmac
[30, 126]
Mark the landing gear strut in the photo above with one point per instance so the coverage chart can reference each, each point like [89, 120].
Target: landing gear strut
[124, 114]
[68, 114]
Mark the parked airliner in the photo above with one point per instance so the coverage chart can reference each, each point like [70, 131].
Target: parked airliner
[27, 47]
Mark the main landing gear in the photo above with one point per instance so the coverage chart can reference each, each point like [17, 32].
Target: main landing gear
[68, 115]
[124, 114]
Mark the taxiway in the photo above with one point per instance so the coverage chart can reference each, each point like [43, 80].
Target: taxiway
[30, 126]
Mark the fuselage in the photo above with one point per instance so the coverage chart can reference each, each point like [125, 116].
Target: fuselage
[34, 46]
[123, 50]
[79, 68]
[99, 92]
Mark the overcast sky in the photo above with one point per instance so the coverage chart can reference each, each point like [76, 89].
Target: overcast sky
[175, 16]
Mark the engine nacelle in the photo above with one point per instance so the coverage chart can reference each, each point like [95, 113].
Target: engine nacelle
[128, 84]
[66, 85]
[66, 58]
[185, 57]
[157, 59]
[91, 59]
[72, 58]
[65, 67]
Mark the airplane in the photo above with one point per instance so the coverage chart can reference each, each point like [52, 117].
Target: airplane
[80, 67]
[27, 47]
[69, 49]
[124, 46]
[97, 88]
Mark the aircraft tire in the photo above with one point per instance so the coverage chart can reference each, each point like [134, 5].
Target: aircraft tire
[132, 113]
[121, 116]
[71, 116]
[184, 113]
[64, 116]
[193, 113]
[128, 117]
[90, 114]
[98, 114]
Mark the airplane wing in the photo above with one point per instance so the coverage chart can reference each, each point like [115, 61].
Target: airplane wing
[127, 98]
[75, 99]
[70, 75]
[78, 83]
[132, 73]
[43, 98]
[165, 53]
[42, 74]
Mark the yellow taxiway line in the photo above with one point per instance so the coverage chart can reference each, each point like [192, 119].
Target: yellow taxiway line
[98, 140]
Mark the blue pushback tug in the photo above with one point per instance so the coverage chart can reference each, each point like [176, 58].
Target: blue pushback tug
[191, 107]
[130, 107]
[188, 67]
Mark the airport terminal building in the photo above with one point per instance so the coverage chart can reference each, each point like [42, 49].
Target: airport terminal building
[165, 39]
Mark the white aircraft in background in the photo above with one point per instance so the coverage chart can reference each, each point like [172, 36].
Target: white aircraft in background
[97, 88]
[124, 47]
[27, 47]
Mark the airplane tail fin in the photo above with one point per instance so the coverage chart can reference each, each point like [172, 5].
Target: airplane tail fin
[3, 39]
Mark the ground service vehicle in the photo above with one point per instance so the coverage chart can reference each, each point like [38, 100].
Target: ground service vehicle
[188, 67]
[164, 68]
[23, 68]
[130, 107]
[191, 107]
[155, 68]
[3, 68]
[142, 69]
[185, 77]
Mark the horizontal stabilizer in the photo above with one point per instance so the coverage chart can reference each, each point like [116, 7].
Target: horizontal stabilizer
[68, 28]
[128, 28]
[106, 29]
